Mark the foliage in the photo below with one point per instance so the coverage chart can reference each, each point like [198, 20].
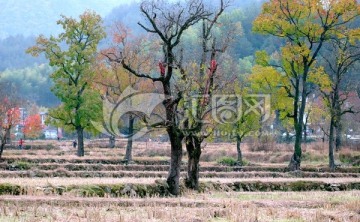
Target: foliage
[9, 189]
[9, 114]
[306, 27]
[73, 72]
[227, 161]
[349, 157]
[33, 127]
[268, 80]
[21, 165]
[73, 69]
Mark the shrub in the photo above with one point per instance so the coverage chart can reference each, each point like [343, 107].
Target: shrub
[349, 157]
[227, 161]
[245, 162]
[21, 165]
[313, 157]
[9, 189]
[266, 143]
[214, 155]
[92, 191]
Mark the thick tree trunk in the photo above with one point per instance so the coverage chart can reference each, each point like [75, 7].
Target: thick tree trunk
[238, 148]
[2, 148]
[277, 121]
[80, 134]
[173, 179]
[299, 111]
[339, 130]
[3, 142]
[193, 147]
[331, 145]
[295, 161]
[305, 133]
[8, 137]
[112, 142]
[128, 154]
[288, 138]
[261, 128]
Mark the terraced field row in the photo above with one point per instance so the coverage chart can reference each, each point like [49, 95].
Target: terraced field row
[55, 185]
[217, 206]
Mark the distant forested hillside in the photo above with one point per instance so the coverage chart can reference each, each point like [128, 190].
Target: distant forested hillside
[12, 53]
[130, 15]
[36, 17]
[32, 83]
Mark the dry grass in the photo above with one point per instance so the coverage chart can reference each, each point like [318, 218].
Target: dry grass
[58, 181]
[62, 172]
[213, 205]
[318, 206]
[274, 153]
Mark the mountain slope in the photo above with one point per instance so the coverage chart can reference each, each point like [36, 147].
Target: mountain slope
[39, 16]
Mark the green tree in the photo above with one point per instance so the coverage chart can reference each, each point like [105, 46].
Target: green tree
[305, 26]
[246, 122]
[72, 54]
[340, 56]
[268, 80]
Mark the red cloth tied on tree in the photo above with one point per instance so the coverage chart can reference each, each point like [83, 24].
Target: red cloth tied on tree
[162, 69]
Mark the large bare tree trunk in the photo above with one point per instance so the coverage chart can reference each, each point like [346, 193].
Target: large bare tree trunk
[3, 142]
[295, 161]
[2, 148]
[331, 145]
[128, 154]
[299, 112]
[298, 125]
[112, 142]
[8, 137]
[238, 148]
[261, 128]
[193, 147]
[80, 134]
[339, 131]
[173, 179]
[296, 157]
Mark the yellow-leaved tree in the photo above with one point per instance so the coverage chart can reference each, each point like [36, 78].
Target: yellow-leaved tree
[305, 26]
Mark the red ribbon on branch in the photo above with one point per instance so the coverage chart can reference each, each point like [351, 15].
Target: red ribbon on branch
[162, 69]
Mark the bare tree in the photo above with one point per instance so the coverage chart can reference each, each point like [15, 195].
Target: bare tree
[168, 22]
[206, 83]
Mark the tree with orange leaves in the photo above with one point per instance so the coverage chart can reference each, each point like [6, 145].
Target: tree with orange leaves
[33, 127]
[9, 117]
[111, 80]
